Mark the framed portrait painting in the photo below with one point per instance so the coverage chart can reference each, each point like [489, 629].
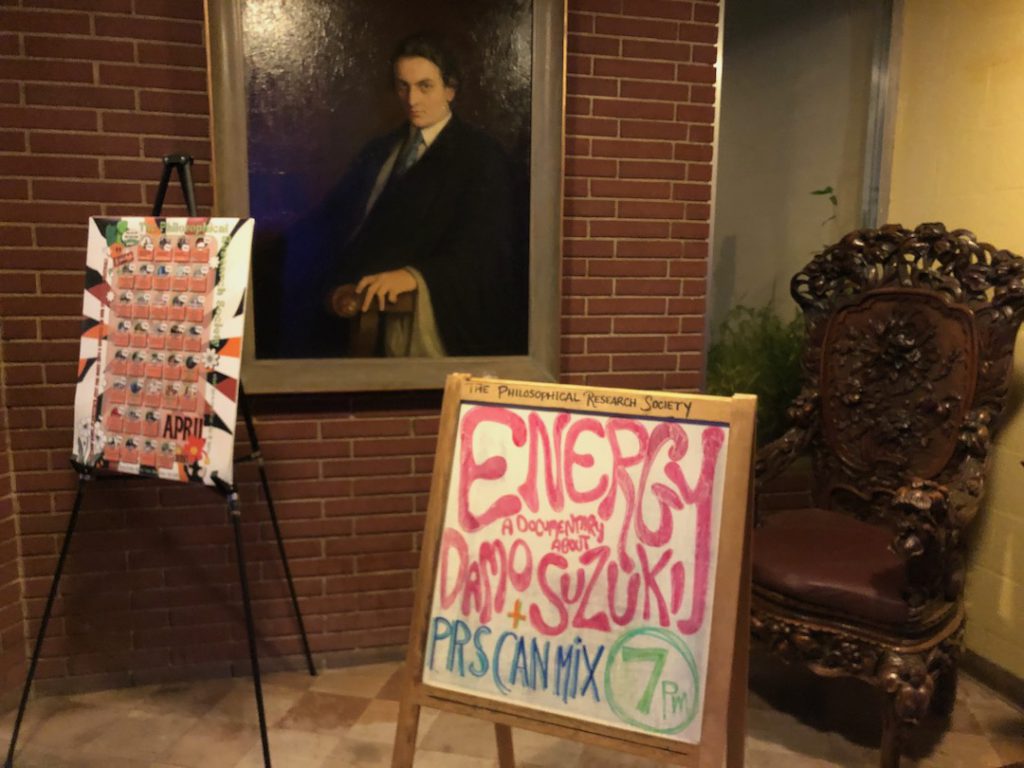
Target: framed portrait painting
[403, 165]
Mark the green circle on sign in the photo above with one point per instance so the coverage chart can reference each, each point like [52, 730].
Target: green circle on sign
[632, 712]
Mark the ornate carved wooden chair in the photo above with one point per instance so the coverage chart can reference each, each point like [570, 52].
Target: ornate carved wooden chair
[909, 344]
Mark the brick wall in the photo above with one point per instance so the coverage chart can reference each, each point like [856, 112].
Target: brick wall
[89, 100]
[12, 626]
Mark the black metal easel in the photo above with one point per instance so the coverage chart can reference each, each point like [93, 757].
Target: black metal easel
[86, 473]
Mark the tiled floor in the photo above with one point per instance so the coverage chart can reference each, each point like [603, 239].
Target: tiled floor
[345, 717]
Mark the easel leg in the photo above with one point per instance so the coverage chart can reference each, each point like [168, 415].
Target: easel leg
[405, 735]
[506, 755]
[9, 763]
[254, 443]
[243, 577]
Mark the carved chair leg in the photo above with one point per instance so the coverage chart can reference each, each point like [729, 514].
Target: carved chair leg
[908, 688]
[893, 733]
[944, 698]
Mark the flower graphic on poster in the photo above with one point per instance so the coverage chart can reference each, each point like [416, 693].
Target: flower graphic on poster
[192, 450]
[210, 360]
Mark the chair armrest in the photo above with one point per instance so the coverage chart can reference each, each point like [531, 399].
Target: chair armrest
[774, 457]
[777, 455]
[929, 518]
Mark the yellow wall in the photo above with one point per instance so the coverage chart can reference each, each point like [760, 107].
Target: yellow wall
[958, 157]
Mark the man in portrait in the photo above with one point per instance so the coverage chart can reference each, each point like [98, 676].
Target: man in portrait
[425, 211]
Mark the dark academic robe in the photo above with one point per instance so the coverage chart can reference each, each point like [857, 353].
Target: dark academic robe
[451, 217]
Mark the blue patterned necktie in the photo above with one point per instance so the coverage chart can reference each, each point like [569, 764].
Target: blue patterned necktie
[410, 153]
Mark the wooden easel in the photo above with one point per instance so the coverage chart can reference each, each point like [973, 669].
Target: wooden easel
[230, 494]
[723, 731]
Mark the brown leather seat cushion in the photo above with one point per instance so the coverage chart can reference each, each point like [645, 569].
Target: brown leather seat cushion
[833, 561]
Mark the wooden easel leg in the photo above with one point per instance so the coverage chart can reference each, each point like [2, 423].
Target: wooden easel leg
[405, 736]
[736, 735]
[83, 476]
[506, 755]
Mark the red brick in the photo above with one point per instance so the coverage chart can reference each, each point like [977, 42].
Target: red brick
[651, 190]
[698, 172]
[83, 144]
[702, 133]
[599, 6]
[691, 191]
[624, 228]
[643, 325]
[588, 248]
[694, 113]
[587, 363]
[34, 165]
[646, 129]
[586, 286]
[705, 54]
[13, 189]
[661, 9]
[174, 101]
[600, 46]
[10, 93]
[706, 13]
[79, 96]
[134, 28]
[585, 166]
[146, 170]
[627, 268]
[649, 49]
[14, 235]
[609, 344]
[47, 213]
[12, 141]
[46, 69]
[10, 44]
[90, 49]
[644, 362]
[689, 230]
[592, 126]
[698, 33]
[166, 125]
[158, 147]
[650, 210]
[44, 21]
[37, 117]
[616, 26]
[642, 110]
[632, 149]
[645, 169]
[582, 23]
[695, 73]
[640, 287]
[103, 6]
[626, 306]
[702, 94]
[126, 192]
[152, 77]
[166, 54]
[698, 152]
[592, 86]
[173, 9]
[646, 89]
[635, 68]
[589, 208]
[578, 65]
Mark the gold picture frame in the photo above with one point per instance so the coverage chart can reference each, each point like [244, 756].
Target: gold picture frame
[230, 175]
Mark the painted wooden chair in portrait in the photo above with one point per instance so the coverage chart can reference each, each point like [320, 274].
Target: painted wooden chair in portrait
[909, 343]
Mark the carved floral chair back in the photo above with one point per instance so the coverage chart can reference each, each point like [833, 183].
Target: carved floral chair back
[909, 341]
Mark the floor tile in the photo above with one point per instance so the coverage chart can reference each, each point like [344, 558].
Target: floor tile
[346, 717]
[318, 712]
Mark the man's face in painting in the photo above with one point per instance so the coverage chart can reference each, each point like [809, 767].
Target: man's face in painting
[422, 91]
